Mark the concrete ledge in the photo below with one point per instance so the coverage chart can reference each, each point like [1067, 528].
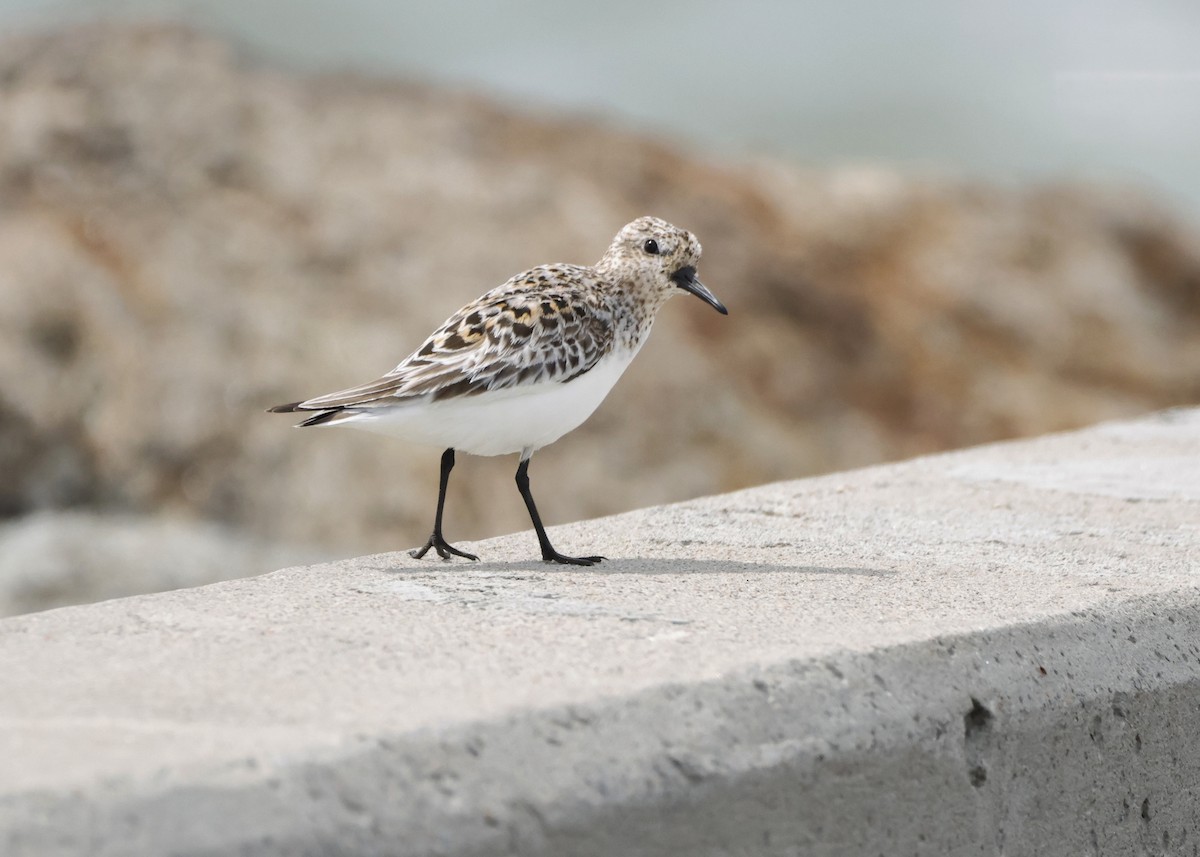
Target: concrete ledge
[993, 651]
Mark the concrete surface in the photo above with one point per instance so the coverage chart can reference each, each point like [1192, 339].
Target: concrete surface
[995, 651]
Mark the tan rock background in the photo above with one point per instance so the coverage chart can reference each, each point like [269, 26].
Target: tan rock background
[187, 237]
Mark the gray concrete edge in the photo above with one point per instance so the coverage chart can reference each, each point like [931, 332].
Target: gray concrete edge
[1032, 738]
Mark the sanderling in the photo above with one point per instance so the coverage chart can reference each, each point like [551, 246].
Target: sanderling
[526, 363]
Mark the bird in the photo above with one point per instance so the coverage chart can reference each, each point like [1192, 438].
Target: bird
[524, 364]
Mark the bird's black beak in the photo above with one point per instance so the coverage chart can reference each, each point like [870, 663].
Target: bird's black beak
[685, 278]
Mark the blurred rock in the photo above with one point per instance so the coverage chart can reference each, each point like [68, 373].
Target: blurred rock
[50, 559]
[187, 238]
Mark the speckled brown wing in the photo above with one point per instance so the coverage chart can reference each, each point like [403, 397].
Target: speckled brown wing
[522, 333]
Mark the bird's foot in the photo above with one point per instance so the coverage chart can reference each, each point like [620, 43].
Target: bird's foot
[444, 549]
[554, 556]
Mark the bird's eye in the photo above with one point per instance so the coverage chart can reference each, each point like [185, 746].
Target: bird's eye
[651, 246]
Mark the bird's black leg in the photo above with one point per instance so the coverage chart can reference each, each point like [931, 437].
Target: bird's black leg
[436, 541]
[549, 554]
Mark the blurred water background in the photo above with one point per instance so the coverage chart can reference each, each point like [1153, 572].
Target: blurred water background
[1014, 91]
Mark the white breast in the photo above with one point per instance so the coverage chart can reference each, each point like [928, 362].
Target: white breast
[500, 422]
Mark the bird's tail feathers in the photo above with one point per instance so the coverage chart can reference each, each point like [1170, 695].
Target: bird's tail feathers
[324, 417]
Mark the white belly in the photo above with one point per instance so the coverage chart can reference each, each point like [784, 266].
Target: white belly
[501, 422]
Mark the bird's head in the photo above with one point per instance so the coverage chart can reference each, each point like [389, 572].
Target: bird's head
[659, 259]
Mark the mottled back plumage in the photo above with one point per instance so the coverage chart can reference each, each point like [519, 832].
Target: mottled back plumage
[551, 323]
